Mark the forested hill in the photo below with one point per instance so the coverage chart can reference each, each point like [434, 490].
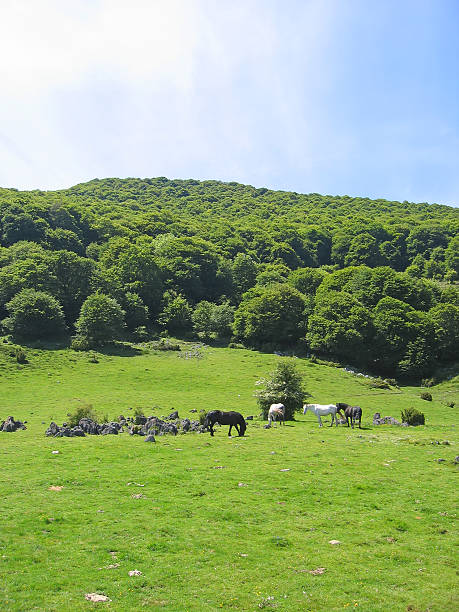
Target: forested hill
[166, 250]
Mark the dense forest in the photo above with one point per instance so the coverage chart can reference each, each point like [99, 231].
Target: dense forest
[370, 282]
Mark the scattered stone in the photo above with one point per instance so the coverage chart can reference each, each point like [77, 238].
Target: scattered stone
[218, 467]
[193, 410]
[286, 470]
[173, 415]
[243, 555]
[135, 573]
[55, 488]
[241, 484]
[388, 420]
[10, 425]
[318, 571]
[137, 496]
[96, 597]
[150, 438]
[441, 460]
[446, 443]
[249, 418]
[55, 452]
[456, 459]
[334, 542]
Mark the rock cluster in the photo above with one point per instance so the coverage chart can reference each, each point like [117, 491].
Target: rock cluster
[388, 420]
[85, 426]
[158, 427]
[143, 426]
[11, 425]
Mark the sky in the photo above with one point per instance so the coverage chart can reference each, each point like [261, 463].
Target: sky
[338, 97]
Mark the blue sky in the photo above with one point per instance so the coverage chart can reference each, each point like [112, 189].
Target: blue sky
[329, 96]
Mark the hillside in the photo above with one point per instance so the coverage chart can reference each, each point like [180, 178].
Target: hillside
[368, 280]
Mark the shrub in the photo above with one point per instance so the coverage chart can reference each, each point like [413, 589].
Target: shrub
[85, 411]
[426, 396]
[80, 343]
[21, 356]
[139, 416]
[202, 416]
[285, 385]
[413, 417]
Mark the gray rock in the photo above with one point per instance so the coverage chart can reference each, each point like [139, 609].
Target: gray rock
[11, 425]
[150, 438]
[173, 415]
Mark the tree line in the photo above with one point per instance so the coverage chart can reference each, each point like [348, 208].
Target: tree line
[370, 281]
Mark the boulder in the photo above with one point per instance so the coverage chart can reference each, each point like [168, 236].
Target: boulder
[11, 425]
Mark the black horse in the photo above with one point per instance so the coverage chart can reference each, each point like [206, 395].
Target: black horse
[225, 418]
[351, 412]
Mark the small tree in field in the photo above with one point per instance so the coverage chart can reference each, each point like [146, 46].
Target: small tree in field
[101, 319]
[285, 386]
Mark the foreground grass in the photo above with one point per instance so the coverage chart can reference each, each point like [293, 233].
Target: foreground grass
[222, 523]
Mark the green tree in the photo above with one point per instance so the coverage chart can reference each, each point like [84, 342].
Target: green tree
[271, 314]
[445, 319]
[306, 280]
[101, 319]
[342, 326]
[136, 313]
[176, 313]
[244, 271]
[284, 385]
[34, 314]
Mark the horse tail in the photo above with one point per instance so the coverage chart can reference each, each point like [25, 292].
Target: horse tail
[243, 425]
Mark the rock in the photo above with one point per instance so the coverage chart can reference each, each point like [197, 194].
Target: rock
[150, 438]
[249, 418]
[96, 597]
[77, 432]
[173, 415]
[109, 429]
[89, 426]
[267, 426]
[456, 459]
[52, 430]
[193, 410]
[334, 542]
[441, 460]
[11, 425]
[186, 424]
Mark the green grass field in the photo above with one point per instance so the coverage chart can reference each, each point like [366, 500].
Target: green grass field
[222, 523]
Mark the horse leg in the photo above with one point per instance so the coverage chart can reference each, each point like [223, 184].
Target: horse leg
[237, 429]
[320, 421]
[360, 422]
[229, 430]
[333, 418]
[211, 429]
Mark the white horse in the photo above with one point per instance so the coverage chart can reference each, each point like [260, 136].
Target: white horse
[321, 410]
[276, 411]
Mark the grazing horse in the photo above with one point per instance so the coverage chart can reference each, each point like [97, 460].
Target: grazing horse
[321, 410]
[276, 411]
[225, 418]
[351, 412]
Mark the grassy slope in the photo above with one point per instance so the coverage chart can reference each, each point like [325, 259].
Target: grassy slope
[201, 540]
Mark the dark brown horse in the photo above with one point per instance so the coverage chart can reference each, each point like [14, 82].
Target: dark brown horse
[351, 412]
[233, 419]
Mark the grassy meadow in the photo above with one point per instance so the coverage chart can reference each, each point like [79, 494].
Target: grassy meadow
[222, 523]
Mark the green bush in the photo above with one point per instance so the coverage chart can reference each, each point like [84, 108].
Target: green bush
[21, 356]
[285, 385]
[85, 411]
[426, 396]
[80, 343]
[413, 417]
